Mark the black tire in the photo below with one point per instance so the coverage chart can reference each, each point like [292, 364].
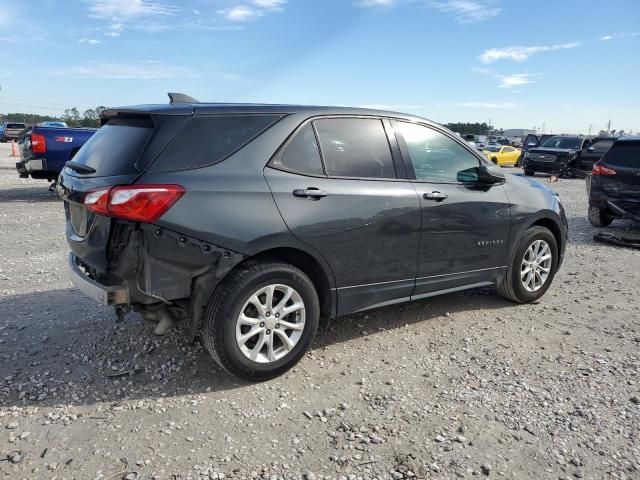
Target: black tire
[599, 217]
[223, 310]
[510, 285]
[519, 161]
[494, 160]
[529, 173]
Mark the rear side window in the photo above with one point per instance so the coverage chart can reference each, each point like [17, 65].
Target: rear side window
[355, 147]
[301, 155]
[624, 154]
[207, 140]
[115, 148]
[602, 145]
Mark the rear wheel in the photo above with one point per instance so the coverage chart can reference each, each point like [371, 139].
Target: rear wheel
[261, 320]
[529, 173]
[532, 267]
[599, 217]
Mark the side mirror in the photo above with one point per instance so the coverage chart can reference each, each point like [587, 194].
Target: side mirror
[483, 174]
[490, 175]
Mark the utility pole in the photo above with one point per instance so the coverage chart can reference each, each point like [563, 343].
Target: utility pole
[590, 129]
[609, 127]
[543, 125]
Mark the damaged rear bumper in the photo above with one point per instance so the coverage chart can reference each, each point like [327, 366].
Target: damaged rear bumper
[109, 295]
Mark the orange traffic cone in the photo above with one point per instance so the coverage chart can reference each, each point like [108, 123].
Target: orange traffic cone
[14, 148]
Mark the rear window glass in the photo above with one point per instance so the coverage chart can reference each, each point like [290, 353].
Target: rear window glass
[115, 148]
[207, 140]
[602, 145]
[624, 154]
[355, 147]
[16, 125]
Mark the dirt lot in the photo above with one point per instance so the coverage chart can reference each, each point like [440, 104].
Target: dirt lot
[457, 386]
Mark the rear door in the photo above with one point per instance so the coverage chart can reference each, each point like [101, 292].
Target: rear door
[465, 225]
[340, 187]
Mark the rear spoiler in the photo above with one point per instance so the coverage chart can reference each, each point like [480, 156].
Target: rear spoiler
[180, 98]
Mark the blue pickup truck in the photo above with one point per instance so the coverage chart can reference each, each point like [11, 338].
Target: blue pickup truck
[44, 150]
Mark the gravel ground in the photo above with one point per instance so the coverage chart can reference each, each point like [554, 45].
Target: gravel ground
[457, 386]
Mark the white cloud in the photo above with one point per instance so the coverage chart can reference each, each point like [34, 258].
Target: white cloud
[130, 9]
[516, 79]
[90, 41]
[463, 11]
[519, 53]
[468, 11]
[240, 13]
[503, 105]
[616, 36]
[149, 70]
[252, 10]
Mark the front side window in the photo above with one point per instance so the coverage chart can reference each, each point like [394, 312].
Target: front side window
[301, 155]
[436, 157]
[507, 150]
[355, 147]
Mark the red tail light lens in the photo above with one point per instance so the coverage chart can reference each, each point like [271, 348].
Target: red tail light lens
[601, 170]
[139, 203]
[38, 143]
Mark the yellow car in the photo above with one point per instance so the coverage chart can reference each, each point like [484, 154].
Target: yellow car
[502, 154]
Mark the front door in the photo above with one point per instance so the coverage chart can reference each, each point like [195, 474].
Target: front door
[465, 225]
[349, 205]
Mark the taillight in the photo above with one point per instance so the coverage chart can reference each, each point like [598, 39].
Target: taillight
[38, 143]
[139, 203]
[602, 170]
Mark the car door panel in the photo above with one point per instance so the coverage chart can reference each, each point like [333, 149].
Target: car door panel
[465, 225]
[464, 236]
[368, 231]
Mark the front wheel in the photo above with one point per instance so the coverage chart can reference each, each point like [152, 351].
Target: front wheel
[532, 267]
[261, 320]
[599, 217]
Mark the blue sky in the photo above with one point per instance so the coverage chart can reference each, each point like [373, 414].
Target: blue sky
[566, 64]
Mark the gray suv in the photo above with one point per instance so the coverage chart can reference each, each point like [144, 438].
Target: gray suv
[253, 222]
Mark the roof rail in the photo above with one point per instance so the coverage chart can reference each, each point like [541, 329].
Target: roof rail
[181, 98]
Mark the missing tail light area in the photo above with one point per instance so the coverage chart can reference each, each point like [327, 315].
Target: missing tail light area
[161, 265]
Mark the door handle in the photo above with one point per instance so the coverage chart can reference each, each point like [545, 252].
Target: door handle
[437, 196]
[311, 192]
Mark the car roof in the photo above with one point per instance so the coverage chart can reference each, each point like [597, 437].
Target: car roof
[630, 138]
[255, 108]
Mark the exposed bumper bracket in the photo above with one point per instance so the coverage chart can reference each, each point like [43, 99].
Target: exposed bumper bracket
[109, 295]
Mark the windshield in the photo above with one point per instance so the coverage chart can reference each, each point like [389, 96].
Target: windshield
[563, 142]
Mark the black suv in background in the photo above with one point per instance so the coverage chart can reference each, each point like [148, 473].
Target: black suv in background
[251, 222]
[557, 155]
[614, 186]
[596, 148]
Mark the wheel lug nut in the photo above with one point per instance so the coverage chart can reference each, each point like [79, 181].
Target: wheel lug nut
[268, 332]
[262, 324]
[277, 315]
[268, 314]
[277, 325]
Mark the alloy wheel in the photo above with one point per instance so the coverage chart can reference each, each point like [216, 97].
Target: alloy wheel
[270, 323]
[536, 266]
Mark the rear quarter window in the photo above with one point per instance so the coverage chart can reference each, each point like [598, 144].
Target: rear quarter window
[624, 154]
[206, 140]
